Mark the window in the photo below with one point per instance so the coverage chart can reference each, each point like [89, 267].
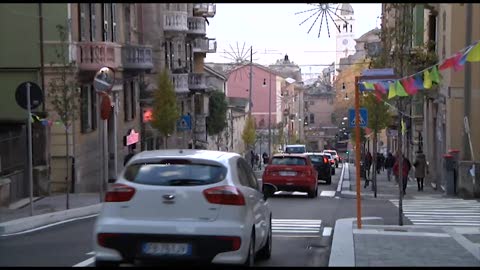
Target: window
[312, 118]
[245, 173]
[82, 22]
[127, 24]
[242, 174]
[105, 15]
[93, 28]
[88, 105]
[129, 100]
[114, 22]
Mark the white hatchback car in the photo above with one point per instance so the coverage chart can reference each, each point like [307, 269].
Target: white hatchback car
[185, 206]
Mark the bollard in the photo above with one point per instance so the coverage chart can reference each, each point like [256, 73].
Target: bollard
[448, 174]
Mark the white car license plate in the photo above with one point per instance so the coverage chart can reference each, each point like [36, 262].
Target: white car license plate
[286, 173]
[177, 249]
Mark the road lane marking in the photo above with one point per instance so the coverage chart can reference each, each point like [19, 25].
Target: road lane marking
[90, 253]
[327, 231]
[328, 193]
[49, 225]
[87, 262]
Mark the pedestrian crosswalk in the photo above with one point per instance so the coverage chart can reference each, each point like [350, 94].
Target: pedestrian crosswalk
[298, 227]
[323, 193]
[442, 212]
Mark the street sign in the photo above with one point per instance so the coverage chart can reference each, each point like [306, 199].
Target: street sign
[363, 117]
[36, 96]
[184, 123]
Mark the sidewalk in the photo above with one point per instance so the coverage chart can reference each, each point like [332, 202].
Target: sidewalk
[376, 244]
[47, 210]
[388, 189]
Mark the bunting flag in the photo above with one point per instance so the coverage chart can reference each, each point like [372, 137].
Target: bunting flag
[418, 82]
[400, 90]
[463, 59]
[448, 63]
[404, 129]
[380, 87]
[368, 86]
[391, 91]
[44, 121]
[427, 80]
[474, 53]
[457, 66]
[409, 86]
[378, 95]
[435, 75]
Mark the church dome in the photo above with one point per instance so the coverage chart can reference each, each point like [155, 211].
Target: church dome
[345, 9]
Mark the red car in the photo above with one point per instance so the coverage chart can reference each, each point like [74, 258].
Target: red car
[292, 172]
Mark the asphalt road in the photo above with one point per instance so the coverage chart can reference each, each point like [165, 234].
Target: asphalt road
[70, 244]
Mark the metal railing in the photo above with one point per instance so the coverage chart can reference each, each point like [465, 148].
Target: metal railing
[94, 55]
[137, 57]
[180, 82]
[197, 26]
[197, 81]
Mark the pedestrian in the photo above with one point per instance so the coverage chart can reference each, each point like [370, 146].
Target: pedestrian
[389, 162]
[130, 154]
[252, 159]
[421, 168]
[265, 158]
[406, 165]
[367, 164]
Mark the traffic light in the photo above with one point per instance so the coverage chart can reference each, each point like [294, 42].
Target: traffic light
[346, 152]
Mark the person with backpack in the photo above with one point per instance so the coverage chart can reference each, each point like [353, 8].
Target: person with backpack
[406, 165]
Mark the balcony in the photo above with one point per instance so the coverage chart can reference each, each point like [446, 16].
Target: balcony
[197, 81]
[175, 21]
[180, 83]
[197, 26]
[204, 10]
[204, 45]
[137, 57]
[92, 56]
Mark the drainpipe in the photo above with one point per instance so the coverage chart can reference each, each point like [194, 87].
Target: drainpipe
[42, 74]
[468, 82]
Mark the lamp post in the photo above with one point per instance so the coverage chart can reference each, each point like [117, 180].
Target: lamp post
[269, 112]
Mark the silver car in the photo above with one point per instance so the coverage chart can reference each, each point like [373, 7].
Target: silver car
[185, 206]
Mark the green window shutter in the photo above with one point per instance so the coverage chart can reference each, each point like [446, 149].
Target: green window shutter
[419, 28]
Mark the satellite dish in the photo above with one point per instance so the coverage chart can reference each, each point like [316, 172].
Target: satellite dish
[104, 80]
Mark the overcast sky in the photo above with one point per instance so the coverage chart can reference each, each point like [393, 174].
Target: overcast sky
[273, 30]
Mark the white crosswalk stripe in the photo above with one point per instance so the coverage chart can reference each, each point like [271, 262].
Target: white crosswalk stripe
[442, 212]
[301, 227]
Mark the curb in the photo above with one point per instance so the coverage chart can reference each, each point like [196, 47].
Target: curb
[342, 252]
[28, 223]
[344, 183]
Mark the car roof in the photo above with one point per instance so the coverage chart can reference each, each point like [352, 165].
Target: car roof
[295, 145]
[290, 155]
[185, 153]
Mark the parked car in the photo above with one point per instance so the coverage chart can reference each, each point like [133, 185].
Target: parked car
[322, 165]
[292, 172]
[185, 206]
[332, 161]
[334, 155]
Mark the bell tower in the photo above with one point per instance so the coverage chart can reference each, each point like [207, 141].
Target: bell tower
[345, 33]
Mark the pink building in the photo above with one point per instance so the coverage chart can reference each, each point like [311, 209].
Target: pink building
[238, 85]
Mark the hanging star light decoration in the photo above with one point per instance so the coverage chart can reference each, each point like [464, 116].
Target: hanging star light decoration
[239, 58]
[325, 10]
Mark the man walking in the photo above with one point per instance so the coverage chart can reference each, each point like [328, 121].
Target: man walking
[389, 162]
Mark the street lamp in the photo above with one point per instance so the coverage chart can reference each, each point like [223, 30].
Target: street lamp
[269, 112]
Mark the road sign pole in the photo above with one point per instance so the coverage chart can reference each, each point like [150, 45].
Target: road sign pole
[357, 154]
[29, 135]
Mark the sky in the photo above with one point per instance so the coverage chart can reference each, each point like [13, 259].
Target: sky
[273, 30]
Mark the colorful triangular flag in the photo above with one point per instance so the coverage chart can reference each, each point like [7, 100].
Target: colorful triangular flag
[404, 128]
[448, 63]
[418, 82]
[474, 53]
[408, 85]
[368, 86]
[391, 91]
[380, 87]
[400, 90]
[463, 59]
[427, 80]
[435, 75]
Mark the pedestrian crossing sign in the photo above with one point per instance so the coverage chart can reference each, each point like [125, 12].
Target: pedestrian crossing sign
[363, 117]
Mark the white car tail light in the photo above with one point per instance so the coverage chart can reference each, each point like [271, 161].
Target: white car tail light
[224, 195]
[120, 193]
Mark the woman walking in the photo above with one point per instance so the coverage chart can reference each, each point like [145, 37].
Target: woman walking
[421, 168]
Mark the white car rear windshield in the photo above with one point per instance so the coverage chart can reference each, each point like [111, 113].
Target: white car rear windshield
[295, 149]
[289, 161]
[174, 174]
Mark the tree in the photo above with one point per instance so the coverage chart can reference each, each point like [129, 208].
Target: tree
[217, 119]
[64, 96]
[249, 132]
[378, 118]
[165, 111]
[280, 135]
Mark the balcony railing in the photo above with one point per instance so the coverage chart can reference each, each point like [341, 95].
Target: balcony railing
[204, 45]
[204, 10]
[197, 26]
[175, 21]
[197, 81]
[94, 55]
[137, 57]
[180, 83]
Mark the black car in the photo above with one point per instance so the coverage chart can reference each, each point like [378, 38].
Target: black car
[323, 167]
